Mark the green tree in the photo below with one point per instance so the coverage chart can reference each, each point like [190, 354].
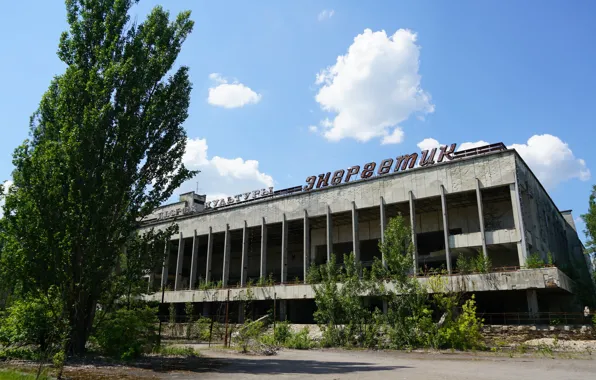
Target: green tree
[106, 148]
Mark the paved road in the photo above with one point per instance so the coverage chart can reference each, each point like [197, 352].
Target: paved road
[292, 364]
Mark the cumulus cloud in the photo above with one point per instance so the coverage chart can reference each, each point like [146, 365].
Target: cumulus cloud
[551, 159]
[221, 177]
[313, 128]
[373, 88]
[230, 95]
[325, 14]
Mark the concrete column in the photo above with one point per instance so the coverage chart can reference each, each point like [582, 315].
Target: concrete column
[383, 220]
[150, 282]
[263, 249]
[179, 263]
[446, 229]
[385, 306]
[413, 227]
[226, 258]
[284, 249]
[306, 244]
[481, 218]
[283, 310]
[166, 263]
[532, 302]
[241, 312]
[355, 234]
[522, 252]
[329, 231]
[244, 269]
[194, 261]
[209, 256]
[206, 309]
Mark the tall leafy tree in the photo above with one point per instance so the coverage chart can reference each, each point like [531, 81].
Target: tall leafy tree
[105, 149]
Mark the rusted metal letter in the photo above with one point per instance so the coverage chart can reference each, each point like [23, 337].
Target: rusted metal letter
[338, 176]
[311, 183]
[407, 161]
[323, 180]
[385, 166]
[368, 170]
[427, 159]
[352, 172]
[446, 152]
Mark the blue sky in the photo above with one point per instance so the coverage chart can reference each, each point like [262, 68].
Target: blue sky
[459, 72]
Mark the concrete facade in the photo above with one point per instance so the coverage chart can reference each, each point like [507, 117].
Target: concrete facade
[490, 204]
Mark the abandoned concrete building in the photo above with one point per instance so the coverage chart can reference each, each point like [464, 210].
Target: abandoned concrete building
[480, 201]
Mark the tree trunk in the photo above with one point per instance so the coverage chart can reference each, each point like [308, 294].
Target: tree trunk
[81, 321]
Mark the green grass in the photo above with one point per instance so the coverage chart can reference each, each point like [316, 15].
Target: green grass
[14, 375]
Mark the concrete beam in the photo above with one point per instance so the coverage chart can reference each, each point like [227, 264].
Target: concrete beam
[481, 218]
[226, 257]
[355, 235]
[284, 249]
[521, 280]
[329, 233]
[383, 220]
[413, 228]
[244, 269]
[306, 244]
[209, 256]
[446, 228]
[194, 261]
[263, 249]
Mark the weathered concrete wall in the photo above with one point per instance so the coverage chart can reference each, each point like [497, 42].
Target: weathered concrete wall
[519, 280]
[456, 176]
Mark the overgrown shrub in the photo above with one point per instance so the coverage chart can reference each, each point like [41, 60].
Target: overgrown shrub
[534, 261]
[30, 321]
[300, 340]
[21, 353]
[127, 334]
[201, 329]
[248, 335]
[465, 332]
[282, 332]
[177, 351]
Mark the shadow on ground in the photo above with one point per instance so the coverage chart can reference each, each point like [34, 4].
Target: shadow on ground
[257, 365]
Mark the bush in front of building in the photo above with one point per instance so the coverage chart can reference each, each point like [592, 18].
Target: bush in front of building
[127, 333]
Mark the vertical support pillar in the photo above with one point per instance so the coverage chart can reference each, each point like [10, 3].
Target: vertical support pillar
[244, 269]
[329, 233]
[226, 258]
[355, 234]
[150, 282]
[306, 244]
[166, 263]
[284, 249]
[206, 309]
[385, 306]
[446, 229]
[532, 302]
[481, 218]
[209, 256]
[283, 310]
[179, 263]
[194, 261]
[241, 316]
[383, 220]
[522, 253]
[263, 249]
[413, 227]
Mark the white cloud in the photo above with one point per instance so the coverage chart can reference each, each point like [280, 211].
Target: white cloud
[313, 128]
[220, 176]
[551, 159]
[373, 88]
[230, 95]
[325, 14]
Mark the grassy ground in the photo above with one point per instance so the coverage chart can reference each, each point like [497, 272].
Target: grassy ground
[14, 375]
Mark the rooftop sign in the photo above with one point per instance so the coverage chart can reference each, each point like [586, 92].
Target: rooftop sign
[251, 195]
[386, 166]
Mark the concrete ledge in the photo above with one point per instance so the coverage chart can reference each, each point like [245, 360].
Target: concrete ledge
[544, 278]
